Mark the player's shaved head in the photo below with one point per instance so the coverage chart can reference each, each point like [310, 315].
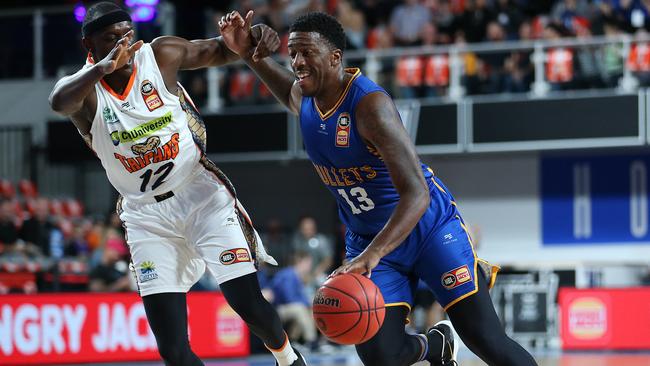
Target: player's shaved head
[102, 14]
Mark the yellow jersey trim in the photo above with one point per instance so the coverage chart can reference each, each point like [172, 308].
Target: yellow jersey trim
[399, 304]
[355, 73]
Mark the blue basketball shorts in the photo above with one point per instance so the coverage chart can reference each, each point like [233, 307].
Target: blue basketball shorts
[440, 254]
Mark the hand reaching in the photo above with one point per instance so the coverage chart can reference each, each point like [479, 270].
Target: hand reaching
[256, 42]
[120, 54]
[362, 264]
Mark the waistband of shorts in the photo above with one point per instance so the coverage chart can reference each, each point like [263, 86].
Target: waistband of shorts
[164, 195]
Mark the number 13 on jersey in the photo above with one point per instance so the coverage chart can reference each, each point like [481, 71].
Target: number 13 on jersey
[358, 194]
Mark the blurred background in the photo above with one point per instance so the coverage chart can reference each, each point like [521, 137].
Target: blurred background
[534, 113]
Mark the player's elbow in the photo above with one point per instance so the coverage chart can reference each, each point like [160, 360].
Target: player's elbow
[59, 105]
[56, 102]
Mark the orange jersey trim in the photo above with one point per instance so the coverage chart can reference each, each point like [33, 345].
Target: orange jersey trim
[128, 88]
[108, 88]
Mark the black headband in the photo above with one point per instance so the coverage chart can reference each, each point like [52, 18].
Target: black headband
[112, 17]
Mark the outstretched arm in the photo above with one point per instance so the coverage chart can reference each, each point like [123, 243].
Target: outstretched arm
[380, 126]
[236, 33]
[175, 53]
[73, 95]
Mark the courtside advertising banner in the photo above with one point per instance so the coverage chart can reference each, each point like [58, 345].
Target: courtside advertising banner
[605, 319]
[75, 328]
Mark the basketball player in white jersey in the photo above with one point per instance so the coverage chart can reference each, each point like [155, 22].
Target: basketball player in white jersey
[180, 212]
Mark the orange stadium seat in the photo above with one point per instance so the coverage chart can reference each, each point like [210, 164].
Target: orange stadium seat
[7, 189]
[27, 188]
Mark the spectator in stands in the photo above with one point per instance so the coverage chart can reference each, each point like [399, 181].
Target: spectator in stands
[634, 14]
[277, 243]
[277, 16]
[472, 66]
[611, 54]
[291, 301]
[444, 20]
[37, 230]
[475, 19]
[354, 24]
[494, 61]
[377, 12]
[407, 21]
[8, 231]
[588, 62]
[112, 274]
[77, 245]
[518, 67]
[318, 246]
[509, 16]
[566, 11]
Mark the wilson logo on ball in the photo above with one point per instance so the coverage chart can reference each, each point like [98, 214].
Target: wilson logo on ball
[327, 301]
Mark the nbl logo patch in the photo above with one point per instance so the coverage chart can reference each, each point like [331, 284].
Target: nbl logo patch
[150, 95]
[343, 130]
[233, 256]
[456, 277]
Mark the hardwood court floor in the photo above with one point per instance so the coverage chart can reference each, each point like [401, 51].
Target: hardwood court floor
[347, 358]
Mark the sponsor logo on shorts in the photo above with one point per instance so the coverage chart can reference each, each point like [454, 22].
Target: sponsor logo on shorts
[233, 256]
[148, 271]
[456, 277]
[448, 239]
[232, 222]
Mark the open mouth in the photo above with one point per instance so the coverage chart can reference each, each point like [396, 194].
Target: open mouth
[301, 76]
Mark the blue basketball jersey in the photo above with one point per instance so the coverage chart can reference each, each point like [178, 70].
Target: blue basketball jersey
[353, 171]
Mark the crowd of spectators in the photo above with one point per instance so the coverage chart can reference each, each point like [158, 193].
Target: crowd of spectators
[385, 24]
[382, 24]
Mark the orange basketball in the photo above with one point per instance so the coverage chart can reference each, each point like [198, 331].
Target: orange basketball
[349, 309]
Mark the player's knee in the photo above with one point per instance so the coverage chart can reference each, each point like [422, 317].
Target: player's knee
[249, 309]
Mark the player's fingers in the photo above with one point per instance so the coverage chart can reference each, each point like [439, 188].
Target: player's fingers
[136, 46]
[118, 50]
[249, 19]
[235, 18]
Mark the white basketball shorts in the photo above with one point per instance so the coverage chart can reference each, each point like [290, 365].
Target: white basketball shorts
[174, 240]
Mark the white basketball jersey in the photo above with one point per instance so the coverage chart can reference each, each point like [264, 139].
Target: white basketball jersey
[142, 136]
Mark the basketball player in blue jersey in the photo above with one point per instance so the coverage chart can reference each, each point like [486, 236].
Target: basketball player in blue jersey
[403, 224]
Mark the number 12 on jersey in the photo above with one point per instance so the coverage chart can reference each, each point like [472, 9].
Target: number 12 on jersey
[358, 194]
